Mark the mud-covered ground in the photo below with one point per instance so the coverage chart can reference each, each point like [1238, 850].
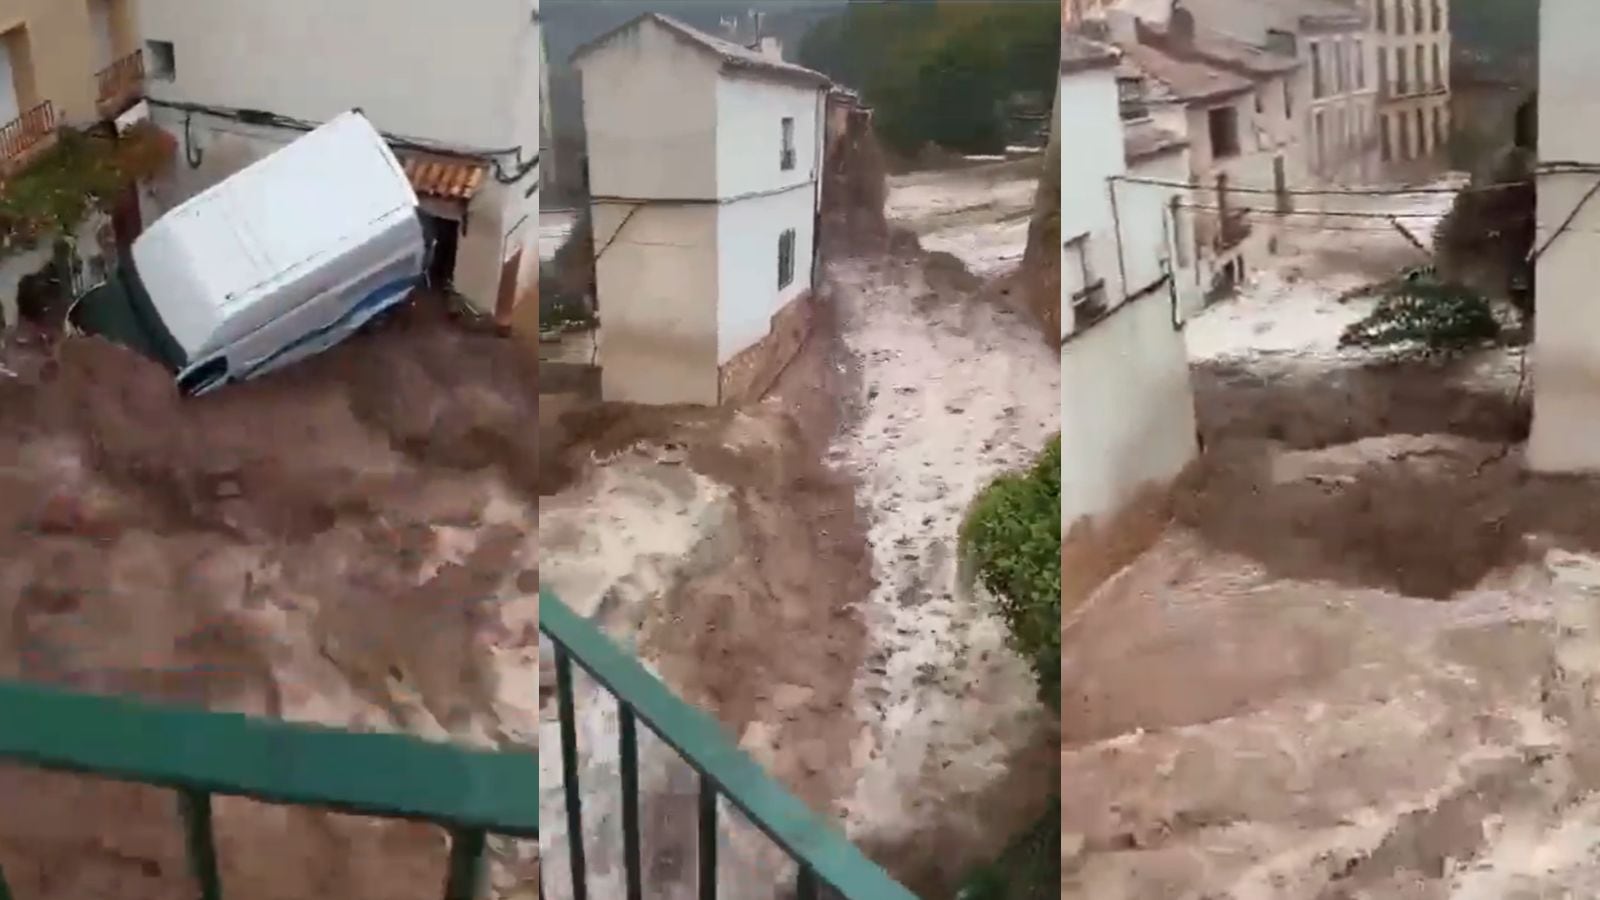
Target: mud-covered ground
[790, 567]
[351, 542]
[1361, 662]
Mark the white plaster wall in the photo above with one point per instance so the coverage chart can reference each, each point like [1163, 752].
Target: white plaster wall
[1566, 352]
[747, 265]
[1155, 234]
[1091, 153]
[1127, 412]
[416, 68]
[650, 116]
[657, 286]
[749, 114]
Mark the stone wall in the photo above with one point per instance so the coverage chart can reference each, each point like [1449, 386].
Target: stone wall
[751, 373]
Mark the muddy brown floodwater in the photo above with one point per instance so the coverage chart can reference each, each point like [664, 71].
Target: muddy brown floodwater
[1361, 663]
[351, 542]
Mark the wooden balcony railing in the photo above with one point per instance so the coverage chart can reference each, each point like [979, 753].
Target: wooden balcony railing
[120, 84]
[25, 136]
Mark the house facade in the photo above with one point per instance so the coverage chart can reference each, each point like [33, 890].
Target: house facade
[233, 80]
[1242, 110]
[1127, 408]
[62, 65]
[1338, 72]
[1413, 69]
[704, 180]
[1566, 399]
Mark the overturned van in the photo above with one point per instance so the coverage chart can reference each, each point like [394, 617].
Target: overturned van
[282, 260]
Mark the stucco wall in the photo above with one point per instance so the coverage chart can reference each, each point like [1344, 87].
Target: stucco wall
[747, 264]
[650, 116]
[64, 55]
[1127, 411]
[1154, 234]
[1566, 352]
[750, 113]
[413, 68]
[657, 284]
[1091, 153]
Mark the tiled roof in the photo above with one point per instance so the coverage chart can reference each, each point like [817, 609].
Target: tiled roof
[446, 177]
[1079, 53]
[733, 56]
[1219, 49]
[1182, 79]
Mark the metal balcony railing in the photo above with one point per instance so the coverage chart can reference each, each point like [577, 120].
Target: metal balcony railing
[823, 857]
[28, 133]
[197, 753]
[120, 84]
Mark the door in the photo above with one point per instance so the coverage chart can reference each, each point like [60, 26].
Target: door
[10, 108]
[507, 300]
[105, 45]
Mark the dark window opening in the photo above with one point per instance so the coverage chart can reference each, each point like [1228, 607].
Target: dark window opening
[786, 159]
[161, 60]
[442, 237]
[1318, 88]
[1224, 127]
[785, 259]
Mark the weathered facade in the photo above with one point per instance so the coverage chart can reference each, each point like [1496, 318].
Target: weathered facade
[1127, 409]
[1413, 68]
[704, 179]
[232, 80]
[1566, 348]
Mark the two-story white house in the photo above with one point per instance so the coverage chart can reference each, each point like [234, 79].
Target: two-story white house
[704, 184]
[1127, 408]
[458, 96]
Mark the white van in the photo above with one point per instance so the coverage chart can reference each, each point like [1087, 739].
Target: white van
[281, 260]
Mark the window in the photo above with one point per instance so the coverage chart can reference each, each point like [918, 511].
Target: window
[1361, 66]
[1318, 88]
[1417, 22]
[785, 259]
[1399, 16]
[161, 62]
[1422, 70]
[1084, 291]
[1223, 124]
[1383, 71]
[1288, 99]
[11, 75]
[1403, 137]
[1401, 86]
[1131, 98]
[1340, 73]
[1383, 139]
[1438, 17]
[1319, 127]
[1381, 8]
[1438, 73]
[1261, 102]
[1422, 133]
[1439, 136]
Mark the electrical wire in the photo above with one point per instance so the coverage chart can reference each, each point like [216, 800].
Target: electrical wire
[1319, 192]
[518, 171]
[1338, 214]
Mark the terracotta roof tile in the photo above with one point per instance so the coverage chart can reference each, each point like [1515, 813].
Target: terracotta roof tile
[439, 176]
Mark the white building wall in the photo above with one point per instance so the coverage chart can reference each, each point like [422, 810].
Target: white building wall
[413, 70]
[650, 117]
[747, 264]
[1566, 350]
[1091, 153]
[1127, 410]
[750, 113]
[657, 284]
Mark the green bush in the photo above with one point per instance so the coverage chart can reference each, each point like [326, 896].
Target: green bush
[1420, 311]
[1012, 535]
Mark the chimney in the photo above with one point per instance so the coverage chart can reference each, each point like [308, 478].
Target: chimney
[770, 47]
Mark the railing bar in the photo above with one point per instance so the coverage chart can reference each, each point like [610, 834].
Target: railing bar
[629, 746]
[466, 864]
[769, 807]
[569, 773]
[805, 884]
[196, 809]
[708, 839]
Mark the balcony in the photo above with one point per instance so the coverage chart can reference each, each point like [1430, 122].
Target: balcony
[198, 754]
[22, 139]
[822, 857]
[120, 85]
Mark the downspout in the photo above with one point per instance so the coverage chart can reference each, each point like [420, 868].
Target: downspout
[1116, 223]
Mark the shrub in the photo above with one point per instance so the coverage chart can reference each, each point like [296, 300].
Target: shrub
[1012, 535]
[1420, 311]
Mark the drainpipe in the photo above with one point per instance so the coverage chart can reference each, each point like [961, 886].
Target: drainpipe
[1116, 223]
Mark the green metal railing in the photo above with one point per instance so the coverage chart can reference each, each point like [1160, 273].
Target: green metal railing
[822, 855]
[196, 753]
